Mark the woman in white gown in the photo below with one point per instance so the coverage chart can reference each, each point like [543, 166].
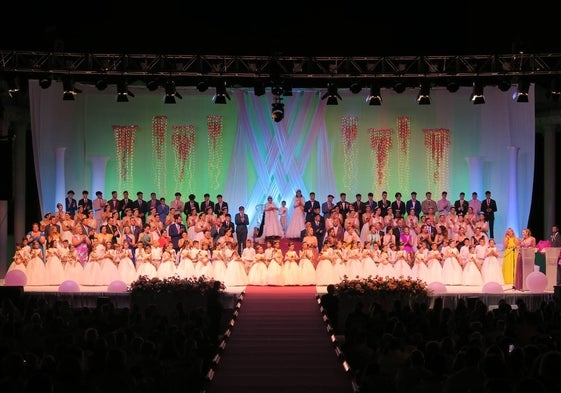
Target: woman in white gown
[126, 268]
[434, 264]
[109, 271]
[167, 267]
[92, 271]
[325, 272]
[274, 270]
[188, 257]
[420, 269]
[491, 269]
[73, 269]
[204, 267]
[147, 267]
[307, 270]
[258, 271]
[235, 274]
[19, 259]
[290, 270]
[471, 275]
[54, 270]
[298, 219]
[271, 224]
[452, 267]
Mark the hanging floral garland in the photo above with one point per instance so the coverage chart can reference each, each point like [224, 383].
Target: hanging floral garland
[437, 141]
[215, 125]
[124, 144]
[159, 128]
[380, 144]
[349, 132]
[183, 141]
[404, 138]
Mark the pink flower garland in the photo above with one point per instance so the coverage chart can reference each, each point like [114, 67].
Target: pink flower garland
[215, 125]
[404, 137]
[159, 128]
[438, 141]
[349, 132]
[183, 141]
[349, 129]
[124, 139]
[381, 143]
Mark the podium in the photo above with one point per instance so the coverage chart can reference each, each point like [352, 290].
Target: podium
[551, 258]
[528, 258]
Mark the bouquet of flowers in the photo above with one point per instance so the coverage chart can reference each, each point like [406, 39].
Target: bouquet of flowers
[379, 287]
[200, 285]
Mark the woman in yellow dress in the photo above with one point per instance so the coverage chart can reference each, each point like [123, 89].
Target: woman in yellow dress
[510, 242]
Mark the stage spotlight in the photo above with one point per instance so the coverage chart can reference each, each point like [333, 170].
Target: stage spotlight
[477, 96]
[171, 93]
[423, 98]
[259, 88]
[355, 88]
[45, 82]
[13, 86]
[277, 90]
[452, 86]
[152, 85]
[123, 92]
[504, 84]
[101, 84]
[277, 112]
[332, 95]
[555, 89]
[68, 90]
[375, 97]
[521, 94]
[221, 94]
[202, 86]
[399, 87]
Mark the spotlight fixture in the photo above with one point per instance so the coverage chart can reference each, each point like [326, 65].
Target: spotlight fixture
[452, 86]
[399, 87]
[13, 86]
[123, 92]
[221, 94]
[504, 84]
[355, 88]
[45, 82]
[101, 84]
[259, 88]
[202, 86]
[375, 97]
[555, 90]
[171, 93]
[521, 94]
[277, 112]
[152, 84]
[332, 95]
[477, 96]
[68, 90]
[423, 98]
[277, 90]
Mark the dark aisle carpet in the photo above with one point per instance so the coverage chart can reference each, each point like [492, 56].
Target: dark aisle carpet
[279, 343]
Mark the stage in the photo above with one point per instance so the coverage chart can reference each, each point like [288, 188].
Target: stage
[92, 296]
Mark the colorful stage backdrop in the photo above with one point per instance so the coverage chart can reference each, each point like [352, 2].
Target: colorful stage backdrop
[196, 146]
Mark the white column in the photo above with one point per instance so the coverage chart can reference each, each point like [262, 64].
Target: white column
[475, 166]
[512, 216]
[99, 163]
[60, 182]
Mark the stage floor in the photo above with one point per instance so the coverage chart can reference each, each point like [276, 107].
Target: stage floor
[90, 296]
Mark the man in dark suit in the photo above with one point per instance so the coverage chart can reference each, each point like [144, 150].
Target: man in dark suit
[227, 224]
[413, 203]
[71, 203]
[142, 206]
[175, 231]
[113, 229]
[154, 202]
[318, 224]
[327, 206]
[191, 204]
[207, 203]
[360, 207]
[398, 206]
[384, 204]
[220, 205]
[85, 202]
[125, 203]
[310, 205]
[371, 202]
[242, 221]
[114, 202]
[489, 207]
[461, 205]
[53, 222]
[343, 205]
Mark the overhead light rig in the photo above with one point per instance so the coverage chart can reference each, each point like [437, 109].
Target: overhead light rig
[312, 72]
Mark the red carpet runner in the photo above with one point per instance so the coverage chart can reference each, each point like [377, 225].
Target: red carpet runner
[279, 343]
